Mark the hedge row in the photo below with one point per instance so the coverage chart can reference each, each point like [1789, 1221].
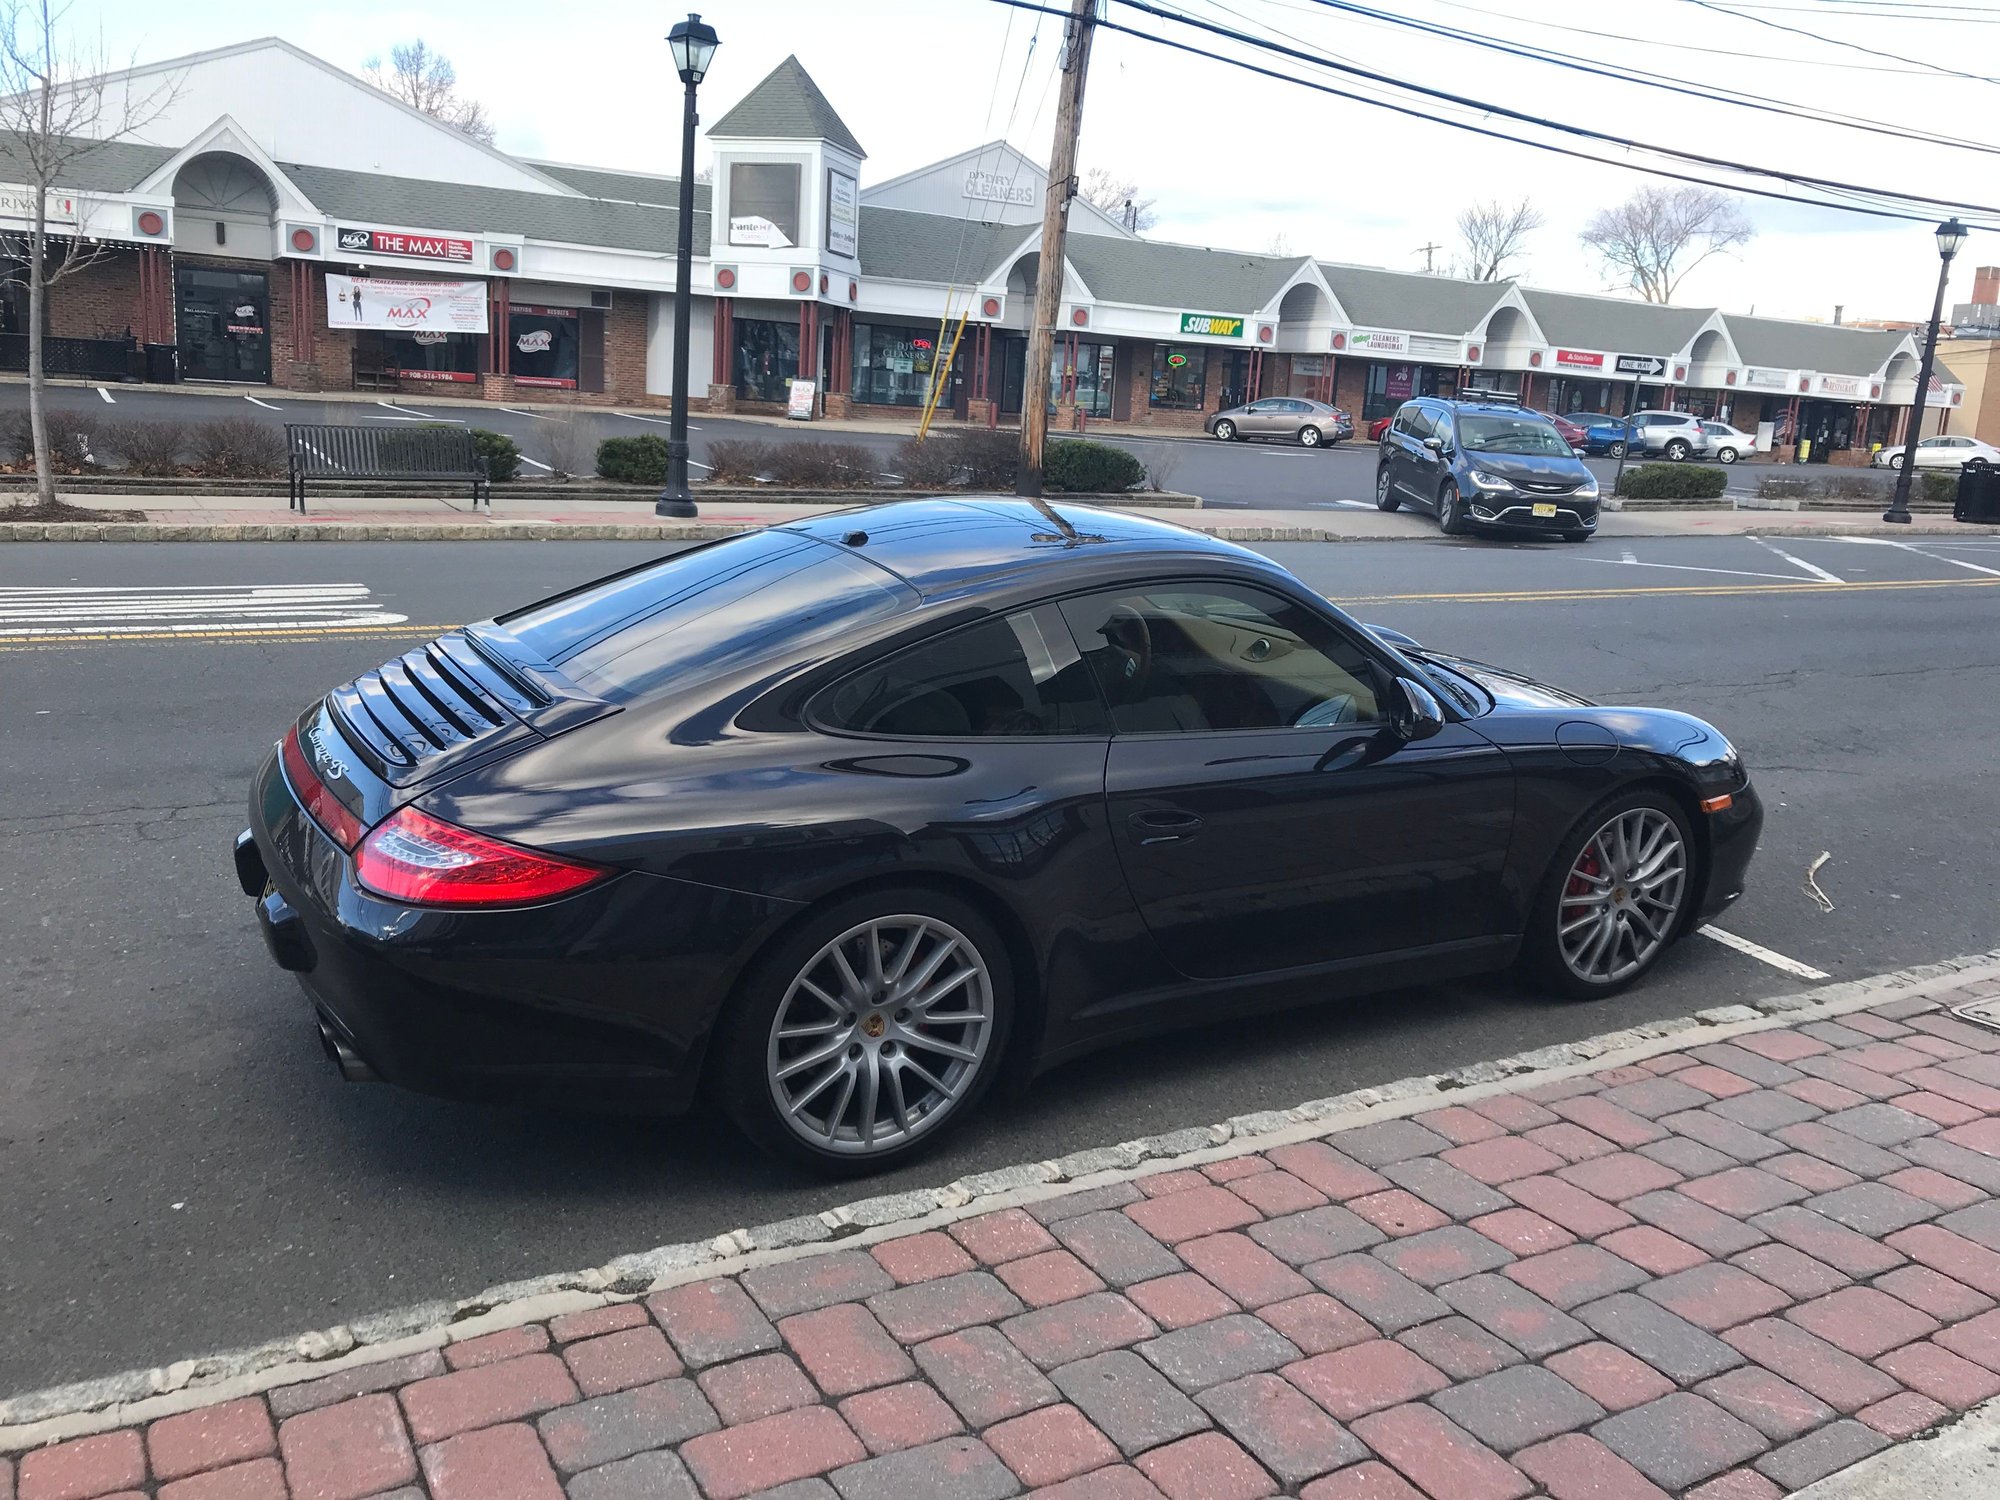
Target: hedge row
[221, 448]
[945, 460]
[1673, 482]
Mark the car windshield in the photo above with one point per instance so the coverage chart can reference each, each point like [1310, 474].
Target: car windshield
[1509, 435]
[709, 610]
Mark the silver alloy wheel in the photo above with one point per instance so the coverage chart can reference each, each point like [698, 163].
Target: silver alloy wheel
[1308, 437]
[880, 1035]
[1727, 455]
[1623, 896]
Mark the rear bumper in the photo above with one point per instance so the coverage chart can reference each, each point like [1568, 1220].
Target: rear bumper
[604, 999]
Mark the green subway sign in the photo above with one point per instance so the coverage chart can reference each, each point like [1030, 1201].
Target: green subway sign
[1221, 328]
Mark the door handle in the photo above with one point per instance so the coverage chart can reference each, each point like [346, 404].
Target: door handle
[1163, 825]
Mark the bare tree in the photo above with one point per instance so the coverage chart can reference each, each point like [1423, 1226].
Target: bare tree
[427, 82]
[54, 110]
[1118, 197]
[1655, 237]
[1280, 245]
[1492, 233]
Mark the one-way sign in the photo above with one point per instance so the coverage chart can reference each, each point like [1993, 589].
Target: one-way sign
[1641, 364]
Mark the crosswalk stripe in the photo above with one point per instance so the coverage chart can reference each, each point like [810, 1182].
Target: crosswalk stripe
[132, 608]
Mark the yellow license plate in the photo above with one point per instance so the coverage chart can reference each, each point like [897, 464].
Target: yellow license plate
[1545, 510]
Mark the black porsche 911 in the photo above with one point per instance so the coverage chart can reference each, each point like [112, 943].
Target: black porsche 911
[835, 823]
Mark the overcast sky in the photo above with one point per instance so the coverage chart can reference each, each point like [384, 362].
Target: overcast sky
[1236, 160]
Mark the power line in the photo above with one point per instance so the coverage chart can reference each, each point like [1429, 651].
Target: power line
[1885, 9]
[1741, 15]
[1714, 93]
[1551, 147]
[1798, 179]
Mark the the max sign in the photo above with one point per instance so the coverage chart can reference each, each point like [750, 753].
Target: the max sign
[401, 242]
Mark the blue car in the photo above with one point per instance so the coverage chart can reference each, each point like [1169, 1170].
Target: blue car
[1599, 436]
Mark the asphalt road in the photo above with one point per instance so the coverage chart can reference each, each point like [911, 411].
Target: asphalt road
[180, 1169]
[1239, 474]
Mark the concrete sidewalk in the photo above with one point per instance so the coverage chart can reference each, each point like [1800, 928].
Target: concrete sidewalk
[196, 517]
[1754, 1256]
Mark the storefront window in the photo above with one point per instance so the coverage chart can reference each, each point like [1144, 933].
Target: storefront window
[1568, 395]
[1092, 377]
[892, 366]
[764, 196]
[1180, 377]
[429, 355]
[766, 358]
[1389, 386]
[542, 346]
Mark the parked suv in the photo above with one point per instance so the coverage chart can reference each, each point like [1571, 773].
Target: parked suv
[1485, 465]
[1674, 435]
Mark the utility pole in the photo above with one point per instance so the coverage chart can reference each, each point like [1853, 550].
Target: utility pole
[1055, 221]
[1429, 252]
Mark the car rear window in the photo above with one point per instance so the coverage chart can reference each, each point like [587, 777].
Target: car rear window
[709, 610]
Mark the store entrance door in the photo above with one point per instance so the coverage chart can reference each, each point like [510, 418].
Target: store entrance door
[224, 324]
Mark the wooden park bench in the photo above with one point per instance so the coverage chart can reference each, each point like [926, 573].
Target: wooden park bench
[319, 451]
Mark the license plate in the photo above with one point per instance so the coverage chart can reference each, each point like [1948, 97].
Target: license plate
[1545, 508]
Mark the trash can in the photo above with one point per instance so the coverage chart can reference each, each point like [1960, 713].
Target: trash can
[1978, 494]
[162, 364]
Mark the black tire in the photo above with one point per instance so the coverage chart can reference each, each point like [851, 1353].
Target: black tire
[739, 1074]
[1308, 436]
[1386, 497]
[1541, 957]
[1896, 460]
[1450, 509]
[1616, 450]
[1225, 431]
[1677, 451]
[1725, 456]
[1975, 463]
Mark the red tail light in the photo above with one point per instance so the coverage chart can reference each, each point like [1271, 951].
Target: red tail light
[314, 796]
[425, 861]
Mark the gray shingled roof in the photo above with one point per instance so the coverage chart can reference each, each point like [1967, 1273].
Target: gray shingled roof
[1615, 323]
[623, 187]
[786, 106]
[452, 205]
[1180, 276]
[1401, 299]
[1811, 346]
[904, 246]
[98, 167]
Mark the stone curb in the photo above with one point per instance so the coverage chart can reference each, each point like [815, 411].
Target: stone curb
[36, 1418]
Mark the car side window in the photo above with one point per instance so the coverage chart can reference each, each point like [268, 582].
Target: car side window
[1413, 422]
[1443, 427]
[1201, 657]
[1021, 675]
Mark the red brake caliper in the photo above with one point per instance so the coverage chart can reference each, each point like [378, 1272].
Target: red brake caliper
[1578, 886]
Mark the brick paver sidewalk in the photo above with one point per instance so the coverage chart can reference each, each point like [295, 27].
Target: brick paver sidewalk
[1722, 1273]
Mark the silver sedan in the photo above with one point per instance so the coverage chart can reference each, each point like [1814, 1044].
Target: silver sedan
[1293, 418]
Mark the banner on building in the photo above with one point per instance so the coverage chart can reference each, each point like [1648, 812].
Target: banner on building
[17, 205]
[1208, 323]
[1374, 341]
[1767, 380]
[379, 302]
[408, 242]
[1839, 385]
[1579, 359]
[843, 200]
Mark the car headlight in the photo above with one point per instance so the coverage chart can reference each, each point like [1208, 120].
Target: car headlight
[1586, 491]
[1488, 481]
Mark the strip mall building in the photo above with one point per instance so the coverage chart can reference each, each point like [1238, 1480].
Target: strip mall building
[393, 252]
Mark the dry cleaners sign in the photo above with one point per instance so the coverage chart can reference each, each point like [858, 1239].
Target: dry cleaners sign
[991, 187]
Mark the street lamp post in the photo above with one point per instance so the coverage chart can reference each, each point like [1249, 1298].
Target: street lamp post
[1950, 235]
[693, 45]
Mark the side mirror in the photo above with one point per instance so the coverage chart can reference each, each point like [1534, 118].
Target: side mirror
[1414, 713]
[1435, 444]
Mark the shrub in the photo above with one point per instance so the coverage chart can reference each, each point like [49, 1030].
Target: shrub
[821, 465]
[147, 448]
[633, 460]
[70, 434]
[1938, 486]
[738, 461]
[502, 453]
[1851, 485]
[991, 458]
[1784, 487]
[237, 448]
[1078, 467]
[1673, 482]
[932, 464]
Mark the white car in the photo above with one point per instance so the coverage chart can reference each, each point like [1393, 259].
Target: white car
[1726, 444]
[1942, 453]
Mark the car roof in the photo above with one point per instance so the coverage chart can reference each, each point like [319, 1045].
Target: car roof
[1498, 408]
[946, 546]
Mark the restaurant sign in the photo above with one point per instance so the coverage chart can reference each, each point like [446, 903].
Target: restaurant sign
[1221, 328]
[1840, 385]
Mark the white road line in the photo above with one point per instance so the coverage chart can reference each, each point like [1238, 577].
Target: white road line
[545, 468]
[1628, 556]
[1633, 562]
[415, 415]
[516, 412]
[1762, 954]
[108, 398]
[254, 401]
[129, 609]
[692, 464]
[1799, 562]
[1882, 541]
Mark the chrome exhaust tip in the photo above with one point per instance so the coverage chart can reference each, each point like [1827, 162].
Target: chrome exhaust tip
[344, 1057]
